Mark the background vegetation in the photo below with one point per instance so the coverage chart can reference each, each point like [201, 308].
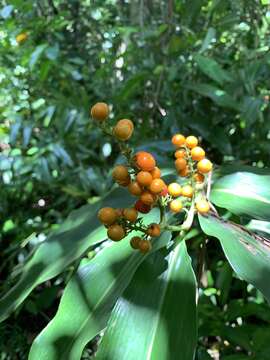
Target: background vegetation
[199, 66]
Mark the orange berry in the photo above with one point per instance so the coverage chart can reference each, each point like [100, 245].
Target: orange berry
[142, 207]
[119, 212]
[135, 188]
[198, 178]
[153, 230]
[180, 164]
[124, 182]
[134, 242]
[176, 205]
[164, 192]
[178, 140]
[145, 161]
[107, 215]
[197, 153]
[184, 172]
[144, 178]
[123, 129]
[116, 232]
[100, 111]
[202, 206]
[130, 214]
[156, 173]
[145, 246]
[120, 173]
[204, 166]
[180, 153]
[148, 198]
[191, 141]
[174, 189]
[157, 185]
[187, 191]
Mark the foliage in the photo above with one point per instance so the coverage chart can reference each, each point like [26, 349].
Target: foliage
[200, 66]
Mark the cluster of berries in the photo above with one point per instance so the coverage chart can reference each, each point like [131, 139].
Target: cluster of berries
[190, 163]
[142, 178]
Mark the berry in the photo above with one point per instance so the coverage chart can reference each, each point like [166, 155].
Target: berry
[124, 182]
[107, 215]
[174, 189]
[184, 172]
[116, 232]
[134, 242]
[145, 246]
[145, 161]
[156, 173]
[119, 212]
[153, 230]
[197, 153]
[141, 207]
[199, 178]
[130, 214]
[144, 178]
[204, 166]
[180, 164]
[164, 192]
[148, 198]
[191, 141]
[100, 111]
[120, 173]
[176, 205]
[180, 153]
[202, 206]
[178, 140]
[135, 188]
[187, 191]
[157, 185]
[123, 129]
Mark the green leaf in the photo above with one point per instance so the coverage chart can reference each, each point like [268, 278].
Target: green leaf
[220, 97]
[210, 35]
[248, 254]
[243, 193]
[212, 69]
[156, 316]
[81, 230]
[88, 299]
[36, 55]
[260, 226]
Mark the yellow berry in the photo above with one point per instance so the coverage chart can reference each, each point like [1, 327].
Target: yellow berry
[204, 166]
[178, 140]
[202, 206]
[174, 189]
[191, 141]
[187, 191]
[197, 153]
[176, 205]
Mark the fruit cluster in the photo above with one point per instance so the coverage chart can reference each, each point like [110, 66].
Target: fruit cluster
[142, 177]
[190, 163]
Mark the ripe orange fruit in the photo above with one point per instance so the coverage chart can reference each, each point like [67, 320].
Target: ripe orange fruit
[116, 232]
[174, 189]
[145, 161]
[100, 111]
[176, 205]
[191, 141]
[142, 207]
[148, 198]
[204, 166]
[198, 178]
[197, 153]
[120, 173]
[153, 230]
[157, 185]
[178, 140]
[164, 192]
[187, 191]
[156, 173]
[107, 215]
[184, 172]
[144, 178]
[180, 153]
[130, 214]
[135, 188]
[123, 129]
[202, 206]
[134, 242]
[180, 164]
[145, 246]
